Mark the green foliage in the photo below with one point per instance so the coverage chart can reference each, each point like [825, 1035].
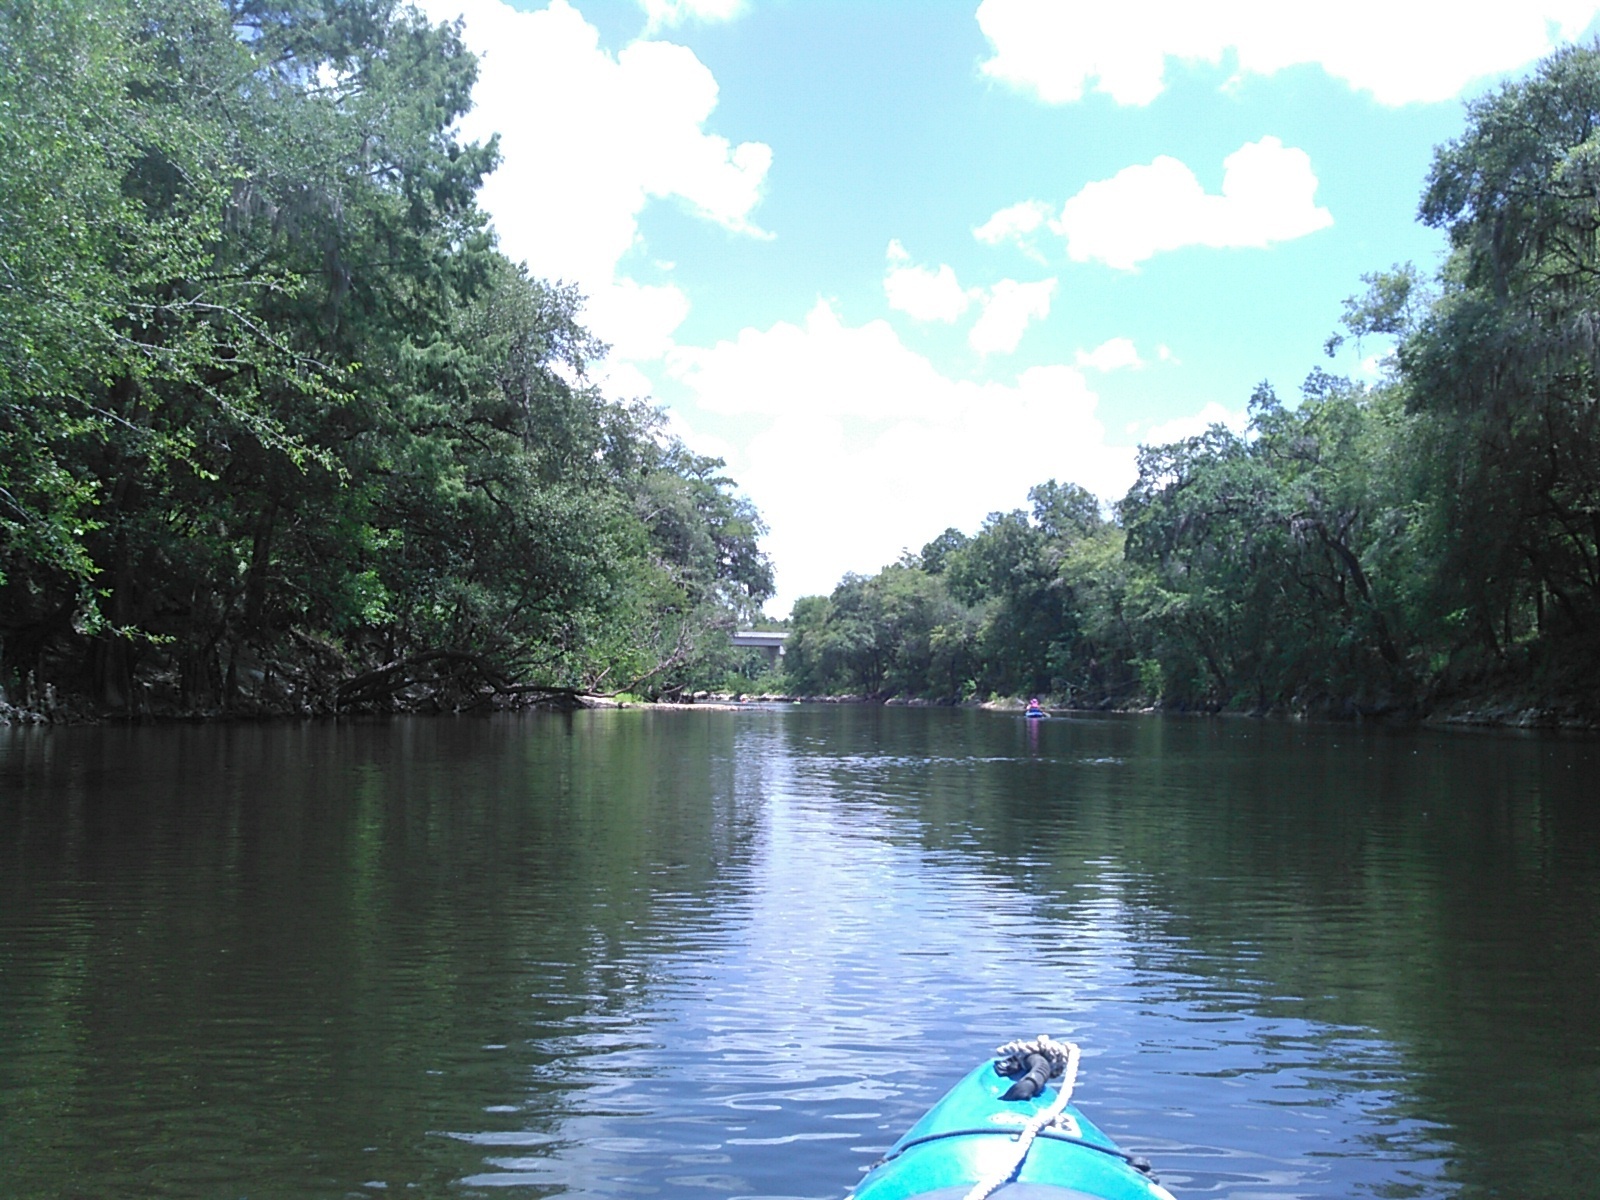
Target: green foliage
[1505, 366]
[274, 409]
[1359, 549]
[1258, 584]
[998, 610]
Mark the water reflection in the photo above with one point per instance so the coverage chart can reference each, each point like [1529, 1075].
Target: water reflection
[650, 953]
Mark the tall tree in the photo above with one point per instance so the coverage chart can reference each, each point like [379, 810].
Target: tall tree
[1507, 362]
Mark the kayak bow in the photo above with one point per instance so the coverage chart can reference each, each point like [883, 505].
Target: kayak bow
[1002, 1132]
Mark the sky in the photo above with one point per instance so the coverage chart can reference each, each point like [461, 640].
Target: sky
[898, 261]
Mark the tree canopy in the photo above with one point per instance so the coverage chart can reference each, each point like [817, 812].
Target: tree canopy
[1362, 548]
[280, 427]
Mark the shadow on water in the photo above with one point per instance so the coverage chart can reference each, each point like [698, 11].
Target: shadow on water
[627, 953]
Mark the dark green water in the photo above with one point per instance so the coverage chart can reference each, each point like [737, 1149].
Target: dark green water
[633, 954]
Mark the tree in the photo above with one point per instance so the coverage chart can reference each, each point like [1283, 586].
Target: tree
[65, 74]
[1506, 364]
[1259, 552]
[278, 423]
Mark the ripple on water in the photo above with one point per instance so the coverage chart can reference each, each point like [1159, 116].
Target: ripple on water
[611, 957]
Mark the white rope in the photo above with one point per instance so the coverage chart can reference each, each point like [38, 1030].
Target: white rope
[1055, 1051]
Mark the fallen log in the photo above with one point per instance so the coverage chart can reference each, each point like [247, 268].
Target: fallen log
[458, 679]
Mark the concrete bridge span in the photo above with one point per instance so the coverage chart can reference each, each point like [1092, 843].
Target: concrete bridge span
[761, 639]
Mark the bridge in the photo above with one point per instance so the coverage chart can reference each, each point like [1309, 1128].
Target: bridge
[761, 639]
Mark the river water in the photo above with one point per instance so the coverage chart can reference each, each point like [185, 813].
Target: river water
[725, 954]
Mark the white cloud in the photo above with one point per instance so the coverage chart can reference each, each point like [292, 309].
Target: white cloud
[637, 320]
[1401, 51]
[870, 450]
[698, 440]
[568, 193]
[1112, 355]
[1268, 195]
[1019, 224]
[1005, 309]
[922, 292]
[1009, 307]
[822, 368]
[1179, 428]
[664, 14]
[1375, 366]
[623, 380]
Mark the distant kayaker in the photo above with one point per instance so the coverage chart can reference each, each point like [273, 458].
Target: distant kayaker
[1033, 708]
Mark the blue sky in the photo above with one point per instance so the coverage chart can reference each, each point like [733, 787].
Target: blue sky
[898, 262]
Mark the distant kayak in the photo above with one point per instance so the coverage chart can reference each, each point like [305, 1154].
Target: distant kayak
[1003, 1132]
[1036, 714]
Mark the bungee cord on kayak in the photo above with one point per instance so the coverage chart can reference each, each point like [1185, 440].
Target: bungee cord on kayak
[1054, 1058]
[1046, 1057]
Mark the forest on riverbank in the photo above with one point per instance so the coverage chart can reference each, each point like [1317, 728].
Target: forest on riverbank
[281, 429]
[1390, 548]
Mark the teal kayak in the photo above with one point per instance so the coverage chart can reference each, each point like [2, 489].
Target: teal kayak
[1035, 1145]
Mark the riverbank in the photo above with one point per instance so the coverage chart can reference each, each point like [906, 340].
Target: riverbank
[1508, 710]
[59, 712]
[76, 710]
[1488, 710]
